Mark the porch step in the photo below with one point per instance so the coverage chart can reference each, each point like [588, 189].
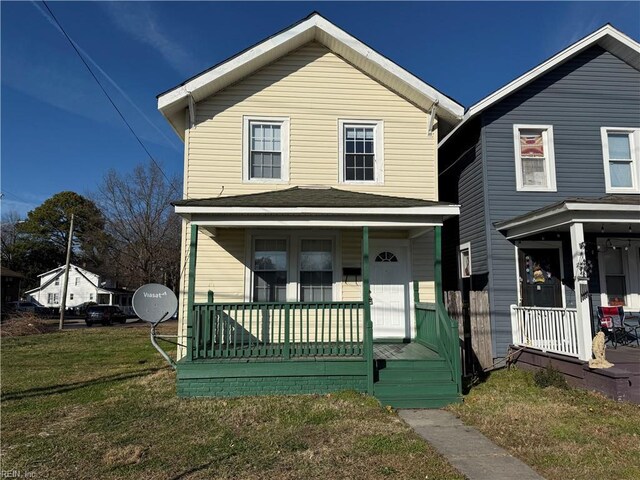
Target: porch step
[414, 375]
[414, 390]
[430, 401]
[419, 383]
[434, 364]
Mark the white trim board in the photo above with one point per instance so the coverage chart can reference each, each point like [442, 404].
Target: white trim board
[568, 213]
[314, 28]
[402, 211]
[607, 37]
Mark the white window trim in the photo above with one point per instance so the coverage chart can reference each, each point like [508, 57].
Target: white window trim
[463, 247]
[293, 240]
[634, 139]
[630, 258]
[378, 151]
[547, 140]
[284, 143]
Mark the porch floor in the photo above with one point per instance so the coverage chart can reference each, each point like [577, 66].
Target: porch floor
[403, 351]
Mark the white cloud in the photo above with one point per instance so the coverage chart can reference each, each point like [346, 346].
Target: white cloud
[139, 21]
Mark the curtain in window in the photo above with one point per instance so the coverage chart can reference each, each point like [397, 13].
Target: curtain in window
[533, 158]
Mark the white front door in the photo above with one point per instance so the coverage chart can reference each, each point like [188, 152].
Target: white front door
[390, 272]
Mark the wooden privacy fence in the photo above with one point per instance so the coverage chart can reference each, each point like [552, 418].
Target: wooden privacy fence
[475, 329]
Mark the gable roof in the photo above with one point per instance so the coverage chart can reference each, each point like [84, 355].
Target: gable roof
[313, 28]
[607, 37]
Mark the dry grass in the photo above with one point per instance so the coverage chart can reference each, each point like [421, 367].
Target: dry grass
[99, 403]
[20, 324]
[563, 434]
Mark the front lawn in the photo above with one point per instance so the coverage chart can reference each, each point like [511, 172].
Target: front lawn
[563, 434]
[100, 403]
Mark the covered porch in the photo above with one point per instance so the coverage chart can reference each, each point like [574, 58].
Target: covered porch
[326, 296]
[571, 258]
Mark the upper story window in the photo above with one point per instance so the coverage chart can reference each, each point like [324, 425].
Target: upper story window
[361, 151]
[535, 161]
[57, 282]
[265, 149]
[621, 159]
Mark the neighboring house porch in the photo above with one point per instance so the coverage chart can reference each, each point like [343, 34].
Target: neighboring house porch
[572, 257]
[313, 290]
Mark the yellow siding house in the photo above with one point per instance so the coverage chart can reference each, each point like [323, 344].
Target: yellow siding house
[311, 232]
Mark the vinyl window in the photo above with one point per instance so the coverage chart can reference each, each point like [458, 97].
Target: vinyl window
[52, 298]
[361, 151]
[620, 155]
[534, 155]
[270, 270]
[316, 270]
[615, 278]
[265, 149]
[465, 260]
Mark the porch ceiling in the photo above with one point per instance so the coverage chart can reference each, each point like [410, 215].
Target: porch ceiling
[616, 213]
[315, 207]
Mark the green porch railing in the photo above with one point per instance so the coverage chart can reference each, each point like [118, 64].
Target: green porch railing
[277, 330]
[436, 330]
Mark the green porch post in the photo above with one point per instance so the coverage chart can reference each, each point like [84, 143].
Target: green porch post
[191, 288]
[366, 295]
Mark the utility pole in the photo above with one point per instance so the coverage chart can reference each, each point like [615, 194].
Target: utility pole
[63, 300]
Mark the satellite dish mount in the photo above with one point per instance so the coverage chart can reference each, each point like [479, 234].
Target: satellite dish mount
[155, 303]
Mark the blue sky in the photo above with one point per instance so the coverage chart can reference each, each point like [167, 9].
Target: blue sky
[60, 133]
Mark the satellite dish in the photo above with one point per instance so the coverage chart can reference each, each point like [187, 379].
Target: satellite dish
[154, 303]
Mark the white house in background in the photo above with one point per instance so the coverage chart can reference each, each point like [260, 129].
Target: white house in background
[84, 286]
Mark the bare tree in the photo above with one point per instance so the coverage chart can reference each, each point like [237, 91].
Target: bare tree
[144, 243]
[9, 235]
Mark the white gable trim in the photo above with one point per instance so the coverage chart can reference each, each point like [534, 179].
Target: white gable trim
[607, 37]
[314, 28]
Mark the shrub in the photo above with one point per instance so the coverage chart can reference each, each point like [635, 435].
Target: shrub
[550, 377]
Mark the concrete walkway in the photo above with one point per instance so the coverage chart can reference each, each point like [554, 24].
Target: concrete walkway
[465, 448]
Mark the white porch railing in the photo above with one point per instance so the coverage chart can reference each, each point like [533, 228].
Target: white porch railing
[547, 329]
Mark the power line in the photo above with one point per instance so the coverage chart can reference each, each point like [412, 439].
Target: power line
[72, 43]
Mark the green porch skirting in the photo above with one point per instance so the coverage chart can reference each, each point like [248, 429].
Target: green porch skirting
[241, 378]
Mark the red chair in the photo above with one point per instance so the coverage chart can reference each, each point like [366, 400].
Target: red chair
[612, 324]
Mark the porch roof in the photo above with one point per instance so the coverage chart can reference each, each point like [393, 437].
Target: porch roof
[610, 209]
[314, 206]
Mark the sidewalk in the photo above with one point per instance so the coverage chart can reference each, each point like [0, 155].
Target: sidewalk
[465, 448]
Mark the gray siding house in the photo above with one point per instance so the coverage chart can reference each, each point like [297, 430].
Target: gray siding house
[547, 173]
